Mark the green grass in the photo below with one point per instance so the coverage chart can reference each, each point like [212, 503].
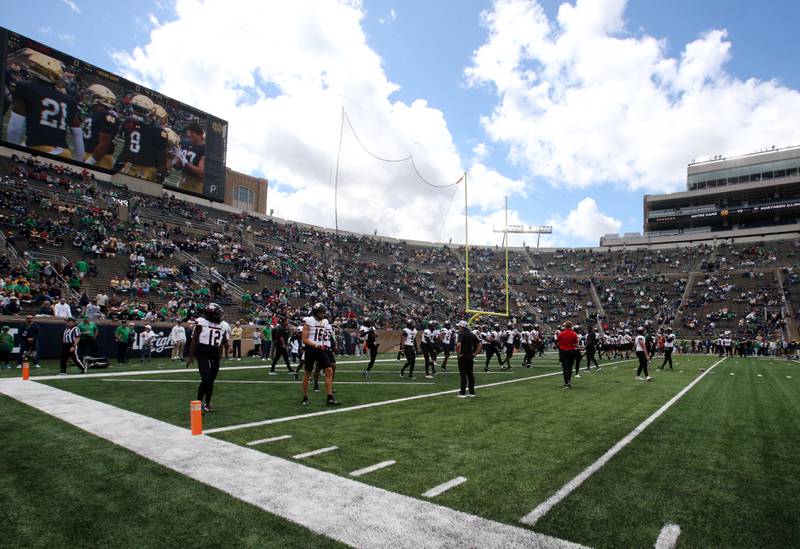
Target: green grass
[721, 463]
[240, 403]
[62, 487]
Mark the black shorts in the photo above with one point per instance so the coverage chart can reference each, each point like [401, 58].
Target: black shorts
[316, 358]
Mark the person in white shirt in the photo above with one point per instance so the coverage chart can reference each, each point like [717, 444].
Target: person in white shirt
[226, 327]
[147, 339]
[257, 342]
[178, 335]
[63, 310]
[640, 344]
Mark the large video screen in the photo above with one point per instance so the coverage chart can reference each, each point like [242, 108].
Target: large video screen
[55, 104]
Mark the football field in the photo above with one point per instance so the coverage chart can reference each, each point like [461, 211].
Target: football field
[710, 447]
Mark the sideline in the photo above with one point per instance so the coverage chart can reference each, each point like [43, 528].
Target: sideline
[340, 508]
[244, 367]
[544, 507]
[223, 368]
[379, 403]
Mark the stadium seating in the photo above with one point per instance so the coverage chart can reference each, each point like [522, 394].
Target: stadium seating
[167, 257]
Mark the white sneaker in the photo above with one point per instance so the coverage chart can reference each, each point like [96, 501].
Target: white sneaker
[637, 378]
[648, 378]
[428, 377]
[473, 395]
[273, 373]
[577, 375]
[459, 395]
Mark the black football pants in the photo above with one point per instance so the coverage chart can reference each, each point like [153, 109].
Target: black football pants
[567, 359]
[642, 364]
[590, 351]
[209, 368]
[492, 350]
[667, 358]
[280, 352]
[466, 364]
[373, 352]
[411, 359]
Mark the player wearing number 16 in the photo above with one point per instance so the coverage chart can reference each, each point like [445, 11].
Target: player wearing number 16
[315, 330]
[41, 114]
[208, 339]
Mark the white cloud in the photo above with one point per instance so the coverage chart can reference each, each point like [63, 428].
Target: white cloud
[582, 101]
[586, 222]
[69, 38]
[390, 17]
[72, 5]
[280, 77]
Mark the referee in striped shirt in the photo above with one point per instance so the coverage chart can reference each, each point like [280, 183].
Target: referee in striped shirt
[69, 342]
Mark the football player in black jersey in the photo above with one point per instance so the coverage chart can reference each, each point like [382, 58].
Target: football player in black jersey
[101, 127]
[370, 343]
[144, 153]
[41, 113]
[208, 339]
[193, 160]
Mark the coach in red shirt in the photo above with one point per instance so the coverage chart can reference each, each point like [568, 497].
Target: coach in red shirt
[568, 352]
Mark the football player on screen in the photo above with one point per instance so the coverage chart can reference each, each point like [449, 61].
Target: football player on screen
[41, 114]
[101, 127]
[193, 160]
[144, 153]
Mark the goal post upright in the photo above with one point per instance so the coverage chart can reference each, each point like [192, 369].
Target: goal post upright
[476, 313]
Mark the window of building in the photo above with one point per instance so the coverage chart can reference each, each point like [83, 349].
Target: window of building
[244, 198]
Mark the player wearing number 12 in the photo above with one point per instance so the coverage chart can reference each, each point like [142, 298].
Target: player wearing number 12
[42, 113]
[208, 339]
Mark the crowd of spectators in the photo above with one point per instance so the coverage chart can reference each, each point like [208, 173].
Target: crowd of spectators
[167, 257]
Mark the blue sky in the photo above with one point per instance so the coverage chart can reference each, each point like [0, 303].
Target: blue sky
[425, 47]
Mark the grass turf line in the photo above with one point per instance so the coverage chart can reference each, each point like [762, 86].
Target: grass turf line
[722, 464]
[240, 403]
[66, 488]
[516, 443]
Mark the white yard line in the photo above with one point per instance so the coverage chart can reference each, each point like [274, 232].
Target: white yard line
[246, 367]
[371, 468]
[315, 452]
[374, 404]
[267, 382]
[668, 538]
[542, 509]
[223, 368]
[271, 439]
[436, 490]
[340, 508]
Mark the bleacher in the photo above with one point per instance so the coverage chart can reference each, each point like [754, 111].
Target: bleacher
[264, 267]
